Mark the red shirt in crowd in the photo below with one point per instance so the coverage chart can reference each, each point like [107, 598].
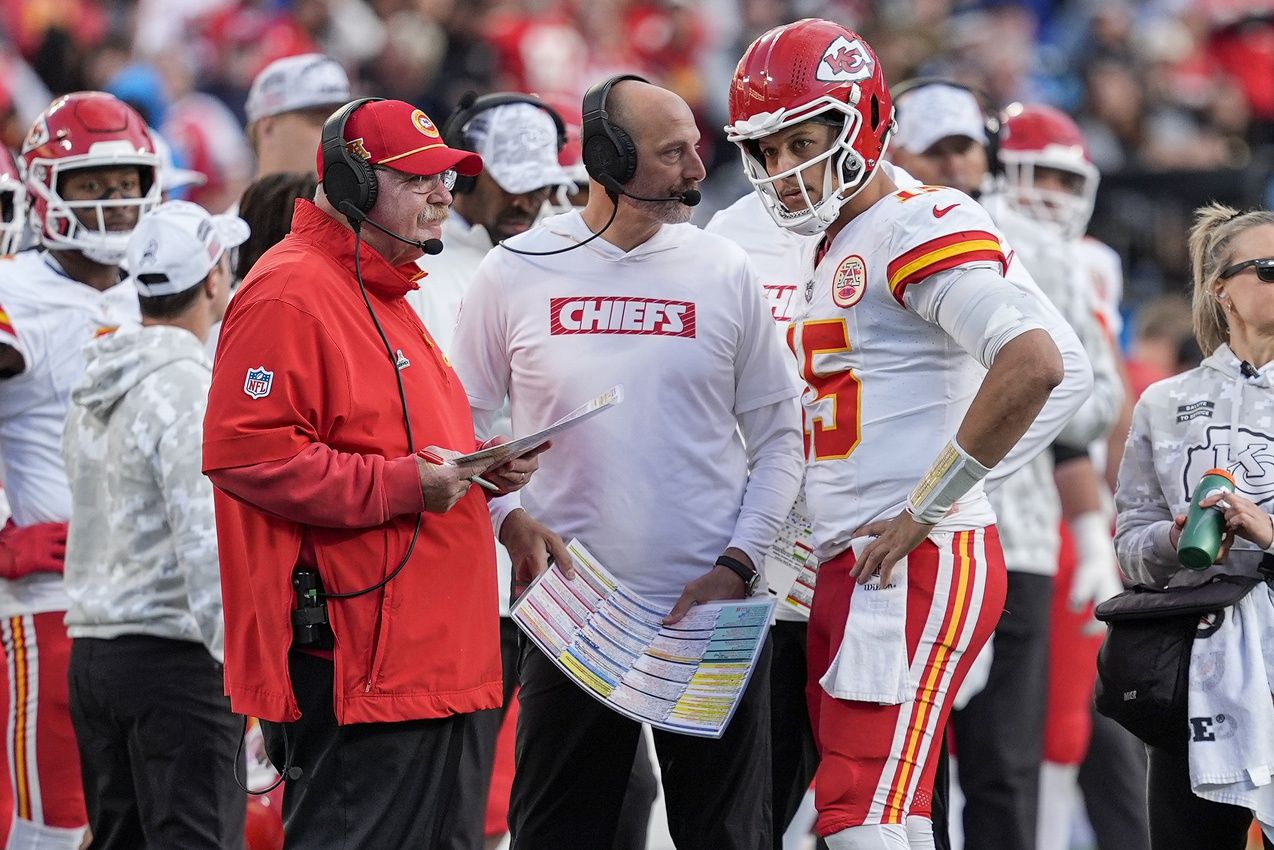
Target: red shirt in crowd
[305, 442]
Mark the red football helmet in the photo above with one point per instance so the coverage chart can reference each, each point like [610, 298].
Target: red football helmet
[13, 203]
[1035, 136]
[801, 71]
[86, 130]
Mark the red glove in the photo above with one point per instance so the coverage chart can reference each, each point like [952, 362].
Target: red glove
[27, 549]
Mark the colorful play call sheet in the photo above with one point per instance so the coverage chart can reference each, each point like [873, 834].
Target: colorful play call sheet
[687, 677]
[791, 570]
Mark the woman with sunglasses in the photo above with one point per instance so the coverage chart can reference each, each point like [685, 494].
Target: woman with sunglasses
[1220, 414]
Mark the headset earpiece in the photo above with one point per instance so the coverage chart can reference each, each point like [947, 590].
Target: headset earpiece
[470, 107]
[349, 181]
[607, 149]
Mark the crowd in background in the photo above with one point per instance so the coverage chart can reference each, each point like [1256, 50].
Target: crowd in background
[1172, 94]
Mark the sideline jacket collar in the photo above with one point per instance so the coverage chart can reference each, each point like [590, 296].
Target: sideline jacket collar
[311, 224]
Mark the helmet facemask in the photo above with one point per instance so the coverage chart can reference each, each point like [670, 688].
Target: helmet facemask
[62, 229]
[844, 176]
[1067, 213]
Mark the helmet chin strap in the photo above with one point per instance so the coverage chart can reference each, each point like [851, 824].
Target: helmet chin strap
[103, 256]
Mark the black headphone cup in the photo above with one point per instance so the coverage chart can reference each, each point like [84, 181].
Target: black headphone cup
[346, 177]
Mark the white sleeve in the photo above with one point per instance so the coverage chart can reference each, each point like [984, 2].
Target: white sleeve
[772, 435]
[480, 349]
[1099, 411]
[982, 312]
[977, 307]
[1144, 520]
[764, 371]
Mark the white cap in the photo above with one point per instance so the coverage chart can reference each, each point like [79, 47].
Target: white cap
[308, 81]
[174, 247]
[518, 146]
[932, 112]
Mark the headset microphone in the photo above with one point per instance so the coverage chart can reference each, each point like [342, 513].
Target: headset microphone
[690, 197]
[357, 217]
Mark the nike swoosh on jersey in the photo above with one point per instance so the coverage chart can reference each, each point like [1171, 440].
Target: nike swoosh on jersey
[939, 212]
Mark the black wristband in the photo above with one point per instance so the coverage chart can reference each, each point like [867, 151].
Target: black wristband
[746, 574]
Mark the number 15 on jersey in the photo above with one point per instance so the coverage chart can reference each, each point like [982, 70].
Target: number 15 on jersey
[832, 400]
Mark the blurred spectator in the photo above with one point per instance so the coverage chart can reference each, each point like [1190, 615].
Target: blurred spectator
[287, 106]
[1163, 326]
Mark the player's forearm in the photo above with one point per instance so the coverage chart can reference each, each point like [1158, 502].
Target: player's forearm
[1012, 394]
[1079, 487]
[775, 465]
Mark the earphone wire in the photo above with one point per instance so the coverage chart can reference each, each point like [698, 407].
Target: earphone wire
[614, 212]
[402, 397]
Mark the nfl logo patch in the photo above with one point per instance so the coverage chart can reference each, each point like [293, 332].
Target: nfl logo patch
[258, 382]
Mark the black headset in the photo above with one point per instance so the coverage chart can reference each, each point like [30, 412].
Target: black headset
[470, 107]
[347, 179]
[607, 149]
[990, 116]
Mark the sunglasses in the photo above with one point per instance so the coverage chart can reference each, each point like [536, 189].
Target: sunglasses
[1264, 269]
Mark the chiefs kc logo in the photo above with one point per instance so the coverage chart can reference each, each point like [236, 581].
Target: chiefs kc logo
[423, 124]
[845, 61]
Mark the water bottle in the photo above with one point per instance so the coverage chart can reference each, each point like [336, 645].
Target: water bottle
[1200, 540]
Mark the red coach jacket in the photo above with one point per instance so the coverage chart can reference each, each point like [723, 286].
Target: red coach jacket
[304, 418]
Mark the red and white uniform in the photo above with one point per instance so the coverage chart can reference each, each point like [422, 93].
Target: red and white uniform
[49, 318]
[887, 386]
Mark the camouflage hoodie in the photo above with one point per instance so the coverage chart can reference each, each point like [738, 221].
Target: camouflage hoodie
[1217, 415]
[141, 555]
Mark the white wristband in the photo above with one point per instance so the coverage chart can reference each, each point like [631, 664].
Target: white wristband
[953, 473]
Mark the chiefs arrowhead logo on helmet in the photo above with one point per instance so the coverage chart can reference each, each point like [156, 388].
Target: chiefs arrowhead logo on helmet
[845, 61]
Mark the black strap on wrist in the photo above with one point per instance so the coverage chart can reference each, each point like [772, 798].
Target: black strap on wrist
[745, 573]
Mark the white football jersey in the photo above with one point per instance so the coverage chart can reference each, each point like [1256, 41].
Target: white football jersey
[776, 253]
[52, 317]
[887, 388]
[1105, 272]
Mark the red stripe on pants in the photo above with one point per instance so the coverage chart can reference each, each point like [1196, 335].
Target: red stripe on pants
[878, 760]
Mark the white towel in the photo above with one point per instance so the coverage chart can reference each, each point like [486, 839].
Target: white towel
[871, 663]
[1231, 712]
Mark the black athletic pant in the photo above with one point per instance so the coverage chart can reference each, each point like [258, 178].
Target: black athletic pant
[1000, 733]
[1179, 820]
[795, 755]
[1113, 779]
[157, 744]
[364, 785]
[574, 757]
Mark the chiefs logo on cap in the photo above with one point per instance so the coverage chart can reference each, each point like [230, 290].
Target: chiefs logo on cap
[423, 124]
[850, 281]
[356, 148]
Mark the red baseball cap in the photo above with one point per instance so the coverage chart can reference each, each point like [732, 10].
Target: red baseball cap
[400, 136]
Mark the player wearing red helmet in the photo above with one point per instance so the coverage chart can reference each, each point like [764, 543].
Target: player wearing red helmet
[908, 336]
[1049, 175]
[13, 204]
[90, 173]
[1050, 178]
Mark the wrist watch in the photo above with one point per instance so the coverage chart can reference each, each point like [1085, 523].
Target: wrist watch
[750, 577]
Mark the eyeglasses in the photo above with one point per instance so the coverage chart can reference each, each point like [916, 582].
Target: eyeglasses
[424, 182]
[1264, 269]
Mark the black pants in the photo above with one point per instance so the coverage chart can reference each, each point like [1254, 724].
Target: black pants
[477, 761]
[1000, 733]
[1179, 820]
[795, 756]
[574, 757]
[157, 744]
[364, 785]
[1113, 779]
